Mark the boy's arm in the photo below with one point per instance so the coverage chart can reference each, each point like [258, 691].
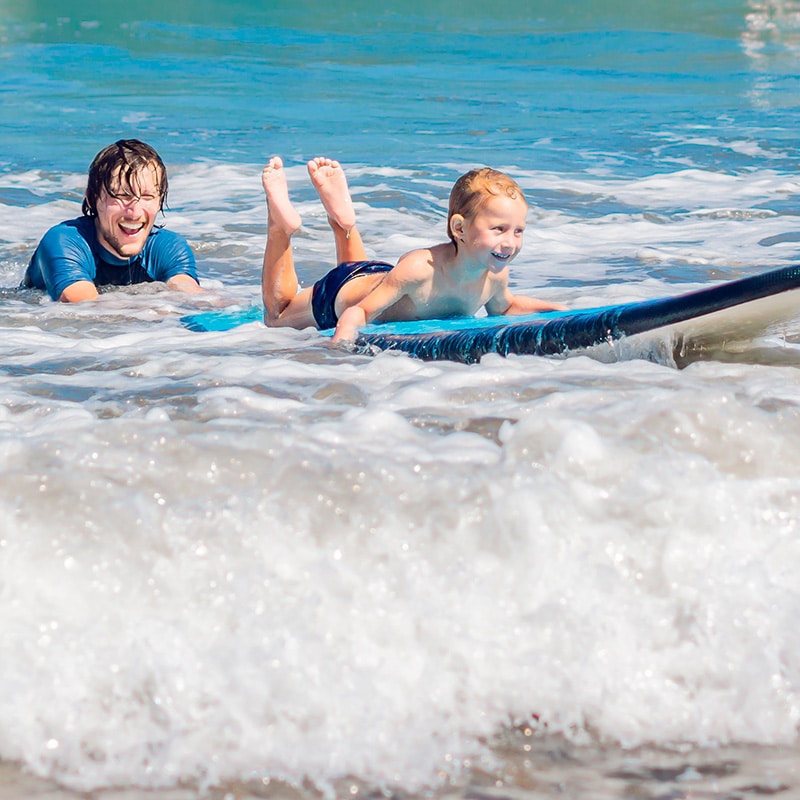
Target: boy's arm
[411, 272]
[385, 294]
[521, 304]
[506, 303]
[351, 320]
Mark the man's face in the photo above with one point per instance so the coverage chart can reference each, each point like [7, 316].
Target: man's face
[125, 216]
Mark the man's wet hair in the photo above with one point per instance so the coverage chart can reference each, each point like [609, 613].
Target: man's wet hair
[117, 165]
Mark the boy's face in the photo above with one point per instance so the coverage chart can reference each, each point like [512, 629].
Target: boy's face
[494, 233]
[125, 216]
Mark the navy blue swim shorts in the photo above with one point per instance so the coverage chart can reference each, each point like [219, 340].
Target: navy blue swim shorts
[323, 294]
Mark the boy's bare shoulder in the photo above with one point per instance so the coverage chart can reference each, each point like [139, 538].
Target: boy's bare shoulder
[414, 265]
[422, 263]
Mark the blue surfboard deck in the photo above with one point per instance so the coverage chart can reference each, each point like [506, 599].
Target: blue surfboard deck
[222, 320]
[737, 310]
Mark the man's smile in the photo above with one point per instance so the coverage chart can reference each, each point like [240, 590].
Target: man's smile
[131, 228]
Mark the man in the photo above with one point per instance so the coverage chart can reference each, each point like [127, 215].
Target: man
[115, 241]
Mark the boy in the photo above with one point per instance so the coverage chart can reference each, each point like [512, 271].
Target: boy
[485, 222]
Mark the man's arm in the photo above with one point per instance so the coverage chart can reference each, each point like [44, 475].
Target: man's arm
[79, 291]
[169, 258]
[86, 290]
[185, 283]
[63, 265]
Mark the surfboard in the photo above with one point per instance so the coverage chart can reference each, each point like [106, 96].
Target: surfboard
[712, 317]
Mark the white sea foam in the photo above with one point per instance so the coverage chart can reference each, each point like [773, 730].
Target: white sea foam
[247, 553]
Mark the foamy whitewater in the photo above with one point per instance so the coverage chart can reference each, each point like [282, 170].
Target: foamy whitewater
[248, 563]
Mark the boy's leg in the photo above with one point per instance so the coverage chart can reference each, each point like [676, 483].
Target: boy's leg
[331, 184]
[278, 276]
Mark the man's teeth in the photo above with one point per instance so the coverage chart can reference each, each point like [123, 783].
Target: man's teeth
[130, 228]
[501, 256]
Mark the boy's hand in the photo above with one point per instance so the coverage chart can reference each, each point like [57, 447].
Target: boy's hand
[350, 322]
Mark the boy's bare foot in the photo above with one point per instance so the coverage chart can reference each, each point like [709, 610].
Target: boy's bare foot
[281, 213]
[331, 183]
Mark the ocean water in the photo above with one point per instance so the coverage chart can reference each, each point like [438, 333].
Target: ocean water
[248, 564]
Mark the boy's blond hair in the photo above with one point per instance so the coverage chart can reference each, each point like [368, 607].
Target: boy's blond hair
[474, 188]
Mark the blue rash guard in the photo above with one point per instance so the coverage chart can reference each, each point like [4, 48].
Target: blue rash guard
[70, 252]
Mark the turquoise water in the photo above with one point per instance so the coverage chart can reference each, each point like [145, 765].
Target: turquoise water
[245, 563]
[528, 85]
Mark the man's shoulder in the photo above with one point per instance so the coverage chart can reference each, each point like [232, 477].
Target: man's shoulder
[166, 254]
[72, 227]
[69, 232]
[164, 238]
[64, 255]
